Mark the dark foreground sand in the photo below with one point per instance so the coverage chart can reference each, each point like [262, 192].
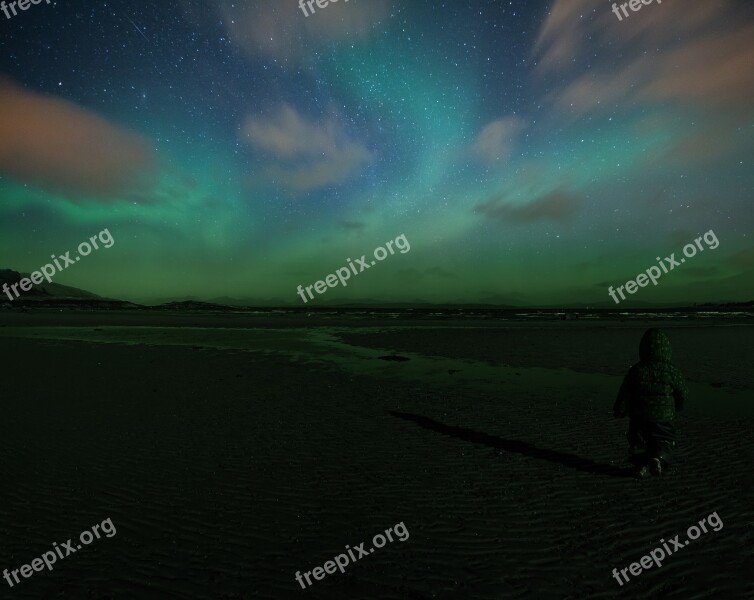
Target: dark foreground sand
[226, 469]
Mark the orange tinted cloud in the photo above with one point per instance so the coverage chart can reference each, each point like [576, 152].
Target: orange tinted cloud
[309, 155]
[280, 30]
[496, 140]
[554, 206]
[703, 57]
[58, 145]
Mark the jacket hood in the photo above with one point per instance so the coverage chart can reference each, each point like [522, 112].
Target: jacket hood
[655, 346]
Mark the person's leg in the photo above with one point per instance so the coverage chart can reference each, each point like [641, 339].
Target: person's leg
[637, 442]
[660, 444]
[639, 451]
[663, 441]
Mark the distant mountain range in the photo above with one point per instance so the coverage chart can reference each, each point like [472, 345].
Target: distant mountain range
[43, 290]
[57, 294]
[48, 294]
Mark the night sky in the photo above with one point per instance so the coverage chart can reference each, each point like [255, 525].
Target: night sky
[532, 153]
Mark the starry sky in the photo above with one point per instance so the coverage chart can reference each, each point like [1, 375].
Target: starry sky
[533, 153]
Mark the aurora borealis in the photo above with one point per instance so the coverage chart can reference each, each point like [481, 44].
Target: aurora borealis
[532, 152]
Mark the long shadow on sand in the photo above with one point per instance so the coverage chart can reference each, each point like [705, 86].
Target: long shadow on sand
[563, 458]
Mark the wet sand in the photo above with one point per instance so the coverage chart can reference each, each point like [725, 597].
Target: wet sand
[232, 452]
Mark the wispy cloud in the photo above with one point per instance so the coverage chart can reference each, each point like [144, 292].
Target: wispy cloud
[496, 140]
[58, 145]
[308, 155]
[681, 237]
[743, 259]
[351, 225]
[554, 206]
[278, 29]
[664, 53]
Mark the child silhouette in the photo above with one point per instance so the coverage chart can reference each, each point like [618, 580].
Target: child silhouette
[652, 392]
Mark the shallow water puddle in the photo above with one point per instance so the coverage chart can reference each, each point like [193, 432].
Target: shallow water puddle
[323, 346]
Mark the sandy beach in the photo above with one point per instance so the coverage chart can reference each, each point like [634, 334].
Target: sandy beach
[231, 453]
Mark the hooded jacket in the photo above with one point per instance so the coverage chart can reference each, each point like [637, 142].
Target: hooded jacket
[653, 389]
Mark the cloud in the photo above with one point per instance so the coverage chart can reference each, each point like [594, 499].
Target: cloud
[700, 58]
[559, 37]
[56, 144]
[351, 225]
[554, 206]
[703, 272]
[565, 34]
[278, 29]
[712, 143]
[496, 140]
[681, 237]
[743, 259]
[310, 155]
